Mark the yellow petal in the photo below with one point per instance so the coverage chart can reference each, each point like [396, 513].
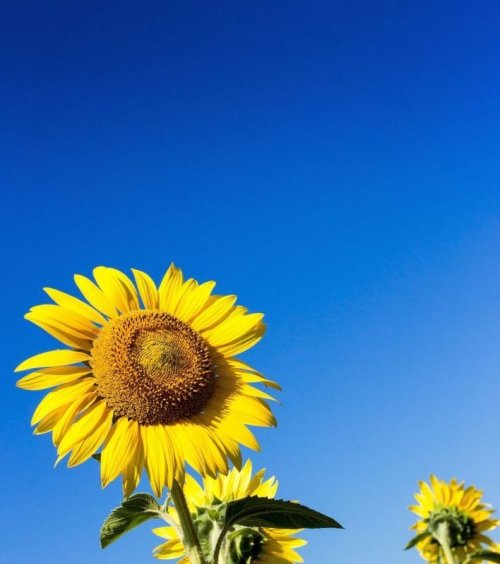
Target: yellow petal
[169, 550]
[170, 289]
[253, 411]
[192, 452]
[79, 306]
[95, 296]
[249, 374]
[172, 460]
[119, 449]
[147, 289]
[61, 334]
[130, 290]
[235, 329]
[193, 302]
[243, 436]
[192, 490]
[61, 396]
[71, 412]
[256, 481]
[227, 382]
[49, 421]
[50, 377]
[214, 313]
[117, 288]
[84, 450]
[187, 290]
[243, 344]
[167, 533]
[215, 450]
[85, 426]
[235, 456]
[267, 488]
[59, 357]
[66, 319]
[154, 456]
[132, 472]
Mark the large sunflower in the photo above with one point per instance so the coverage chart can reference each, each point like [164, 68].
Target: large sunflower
[461, 508]
[150, 379]
[247, 544]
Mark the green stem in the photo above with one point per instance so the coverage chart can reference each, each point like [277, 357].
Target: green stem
[191, 540]
[218, 545]
[442, 535]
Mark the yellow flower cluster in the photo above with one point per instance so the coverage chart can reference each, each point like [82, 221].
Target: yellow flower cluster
[459, 512]
[150, 380]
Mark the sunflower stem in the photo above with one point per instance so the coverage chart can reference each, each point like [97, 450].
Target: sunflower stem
[442, 535]
[218, 546]
[191, 540]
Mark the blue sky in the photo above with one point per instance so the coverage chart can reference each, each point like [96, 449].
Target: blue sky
[335, 164]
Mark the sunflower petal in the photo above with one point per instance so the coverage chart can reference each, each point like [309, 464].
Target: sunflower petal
[50, 377]
[132, 471]
[49, 421]
[76, 305]
[58, 357]
[66, 319]
[155, 460]
[191, 304]
[118, 450]
[63, 395]
[85, 426]
[84, 450]
[169, 550]
[170, 289]
[71, 413]
[213, 314]
[117, 288]
[95, 296]
[147, 289]
[61, 334]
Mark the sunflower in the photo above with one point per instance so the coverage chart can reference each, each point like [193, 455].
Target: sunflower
[150, 379]
[467, 518]
[248, 544]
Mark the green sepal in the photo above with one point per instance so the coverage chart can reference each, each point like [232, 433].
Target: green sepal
[133, 511]
[256, 511]
[488, 555]
[415, 540]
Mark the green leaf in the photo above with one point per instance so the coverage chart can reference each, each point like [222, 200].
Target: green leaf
[274, 513]
[132, 512]
[97, 456]
[415, 540]
[488, 555]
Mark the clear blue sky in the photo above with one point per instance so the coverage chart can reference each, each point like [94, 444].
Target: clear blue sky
[336, 165]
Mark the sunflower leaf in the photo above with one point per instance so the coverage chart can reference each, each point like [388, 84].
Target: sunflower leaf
[132, 512]
[256, 511]
[488, 555]
[416, 539]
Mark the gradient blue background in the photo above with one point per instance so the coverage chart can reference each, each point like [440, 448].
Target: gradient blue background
[336, 165]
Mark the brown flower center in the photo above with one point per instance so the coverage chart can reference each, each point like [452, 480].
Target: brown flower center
[152, 368]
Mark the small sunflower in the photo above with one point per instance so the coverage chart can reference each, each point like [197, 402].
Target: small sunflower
[467, 518]
[246, 544]
[150, 379]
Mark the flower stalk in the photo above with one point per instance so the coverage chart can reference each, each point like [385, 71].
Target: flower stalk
[218, 546]
[190, 536]
[442, 535]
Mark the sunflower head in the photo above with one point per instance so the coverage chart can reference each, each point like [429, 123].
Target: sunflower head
[152, 368]
[243, 545]
[150, 378]
[460, 510]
